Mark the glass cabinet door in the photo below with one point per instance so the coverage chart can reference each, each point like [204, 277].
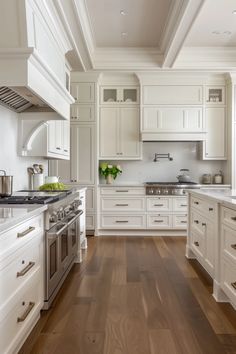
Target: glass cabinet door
[114, 95]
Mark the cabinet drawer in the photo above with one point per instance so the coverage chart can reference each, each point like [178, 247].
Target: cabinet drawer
[228, 279]
[197, 222]
[122, 204]
[180, 221]
[180, 204]
[123, 222]
[197, 243]
[90, 222]
[20, 235]
[122, 191]
[159, 204]
[160, 221]
[206, 207]
[18, 320]
[228, 217]
[14, 274]
[228, 242]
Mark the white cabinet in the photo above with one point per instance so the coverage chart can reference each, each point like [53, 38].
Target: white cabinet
[215, 95]
[119, 133]
[119, 95]
[172, 119]
[172, 94]
[83, 92]
[82, 153]
[82, 113]
[59, 137]
[214, 148]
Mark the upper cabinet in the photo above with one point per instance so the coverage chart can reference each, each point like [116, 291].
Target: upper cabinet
[215, 95]
[83, 92]
[172, 94]
[59, 138]
[110, 95]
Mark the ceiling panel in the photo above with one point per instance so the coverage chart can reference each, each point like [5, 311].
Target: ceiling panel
[143, 22]
[215, 25]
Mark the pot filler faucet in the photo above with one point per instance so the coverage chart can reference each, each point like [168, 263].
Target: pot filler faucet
[162, 156]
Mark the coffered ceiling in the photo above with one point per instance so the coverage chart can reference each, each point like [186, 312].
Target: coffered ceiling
[150, 34]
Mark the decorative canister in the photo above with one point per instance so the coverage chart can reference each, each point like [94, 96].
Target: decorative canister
[206, 178]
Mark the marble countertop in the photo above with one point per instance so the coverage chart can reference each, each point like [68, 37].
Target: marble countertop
[226, 197]
[135, 184]
[11, 215]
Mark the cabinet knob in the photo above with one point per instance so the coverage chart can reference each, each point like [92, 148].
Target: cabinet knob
[234, 285]
[203, 224]
[58, 148]
[196, 221]
[211, 209]
[196, 243]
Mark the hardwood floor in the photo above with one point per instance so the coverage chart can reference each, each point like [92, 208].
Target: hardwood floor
[135, 295]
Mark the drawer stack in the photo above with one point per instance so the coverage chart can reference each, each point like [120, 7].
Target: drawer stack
[228, 252]
[21, 282]
[202, 231]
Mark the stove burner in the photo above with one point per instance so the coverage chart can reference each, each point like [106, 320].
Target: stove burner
[27, 200]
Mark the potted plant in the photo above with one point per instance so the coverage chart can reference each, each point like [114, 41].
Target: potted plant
[110, 172]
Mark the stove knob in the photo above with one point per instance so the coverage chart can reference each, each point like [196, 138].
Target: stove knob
[53, 217]
[165, 191]
[151, 191]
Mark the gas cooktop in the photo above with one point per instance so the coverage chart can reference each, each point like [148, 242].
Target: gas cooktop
[34, 197]
[169, 188]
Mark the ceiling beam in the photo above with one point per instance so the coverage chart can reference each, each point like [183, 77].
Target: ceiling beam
[182, 17]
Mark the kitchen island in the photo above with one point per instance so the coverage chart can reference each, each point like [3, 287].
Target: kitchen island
[211, 238]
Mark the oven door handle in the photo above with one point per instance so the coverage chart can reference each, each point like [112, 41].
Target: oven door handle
[77, 215]
[53, 235]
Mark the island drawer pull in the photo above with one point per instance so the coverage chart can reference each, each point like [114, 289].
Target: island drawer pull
[196, 243]
[158, 204]
[196, 221]
[158, 220]
[122, 191]
[183, 222]
[122, 221]
[122, 204]
[234, 285]
[233, 218]
[25, 270]
[203, 224]
[26, 232]
[183, 205]
[196, 203]
[26, 313]
[211, 209]
[234, 246]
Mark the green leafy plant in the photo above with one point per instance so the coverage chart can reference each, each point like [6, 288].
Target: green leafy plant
[106, 169]
[52, 186]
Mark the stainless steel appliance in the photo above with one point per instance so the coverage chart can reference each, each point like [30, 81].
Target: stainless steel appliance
[169, 188]
[5, 184]
[62, 233]
[184, 176]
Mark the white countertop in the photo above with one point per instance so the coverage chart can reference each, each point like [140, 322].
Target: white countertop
[135, 184]
[223, 196]
[11, 215]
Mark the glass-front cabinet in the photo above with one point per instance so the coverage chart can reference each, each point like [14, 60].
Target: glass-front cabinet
[215, 95]
[124, 95]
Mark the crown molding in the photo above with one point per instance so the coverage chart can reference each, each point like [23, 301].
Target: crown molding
[221, 59]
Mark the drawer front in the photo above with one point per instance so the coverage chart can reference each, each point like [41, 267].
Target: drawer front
[197, 203]
[228, 217]
[13, 275]
[180, 221]
[20, 235]
[117, 191]
[123, 222]
[206, 207]
[228, 242]
[159, 204]
[228, 279]
[197, 244]
[122, 204]
[21, 317]
[90, 222]
[180, 204]
[159, 221]
[197, 223]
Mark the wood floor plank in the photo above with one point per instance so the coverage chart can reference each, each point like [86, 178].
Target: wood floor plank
[135, 295]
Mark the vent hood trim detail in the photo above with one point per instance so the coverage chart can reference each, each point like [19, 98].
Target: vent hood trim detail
[188, 136]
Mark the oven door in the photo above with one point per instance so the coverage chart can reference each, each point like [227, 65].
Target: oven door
[74, 232]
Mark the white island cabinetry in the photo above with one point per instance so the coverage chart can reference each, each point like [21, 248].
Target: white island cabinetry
[21, 277]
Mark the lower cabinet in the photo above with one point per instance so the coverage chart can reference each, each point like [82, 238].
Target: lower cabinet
[21, 282]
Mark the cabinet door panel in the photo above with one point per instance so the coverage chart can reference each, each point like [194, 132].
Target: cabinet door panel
[129, 132]
[83, 92]
[172, 94]
[215, 137]
[82, 153]
[55, 137]
[109, 134]
[82, 113]
[66, 137]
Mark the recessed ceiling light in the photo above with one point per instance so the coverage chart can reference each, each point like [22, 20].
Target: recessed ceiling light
[122, 12]
[124, 34]
[234, 12]
[215, 32]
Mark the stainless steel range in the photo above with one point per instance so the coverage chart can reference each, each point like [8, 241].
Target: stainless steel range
[169, 188]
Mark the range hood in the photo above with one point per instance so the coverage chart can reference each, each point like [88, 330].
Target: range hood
[20, 99]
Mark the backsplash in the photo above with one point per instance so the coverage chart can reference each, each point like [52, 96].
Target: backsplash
[185, 155]
[9, 160]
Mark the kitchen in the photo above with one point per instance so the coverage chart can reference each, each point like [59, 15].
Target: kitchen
[137, 252]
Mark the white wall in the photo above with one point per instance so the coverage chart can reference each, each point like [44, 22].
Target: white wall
[9, 159]
[185, 155]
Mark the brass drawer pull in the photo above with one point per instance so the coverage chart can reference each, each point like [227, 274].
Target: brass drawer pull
[196, 203]
[158, 204]
[196, 221]
[122, 204]
[233, 218]
[196, 243]
[234, 285]
[203, 224]
[26, 232]
[122, 221]
[211, 209]
[158, 220]
[122, 191]
[25, 270]
[26, 313]
[183, 205]
[234, 246]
